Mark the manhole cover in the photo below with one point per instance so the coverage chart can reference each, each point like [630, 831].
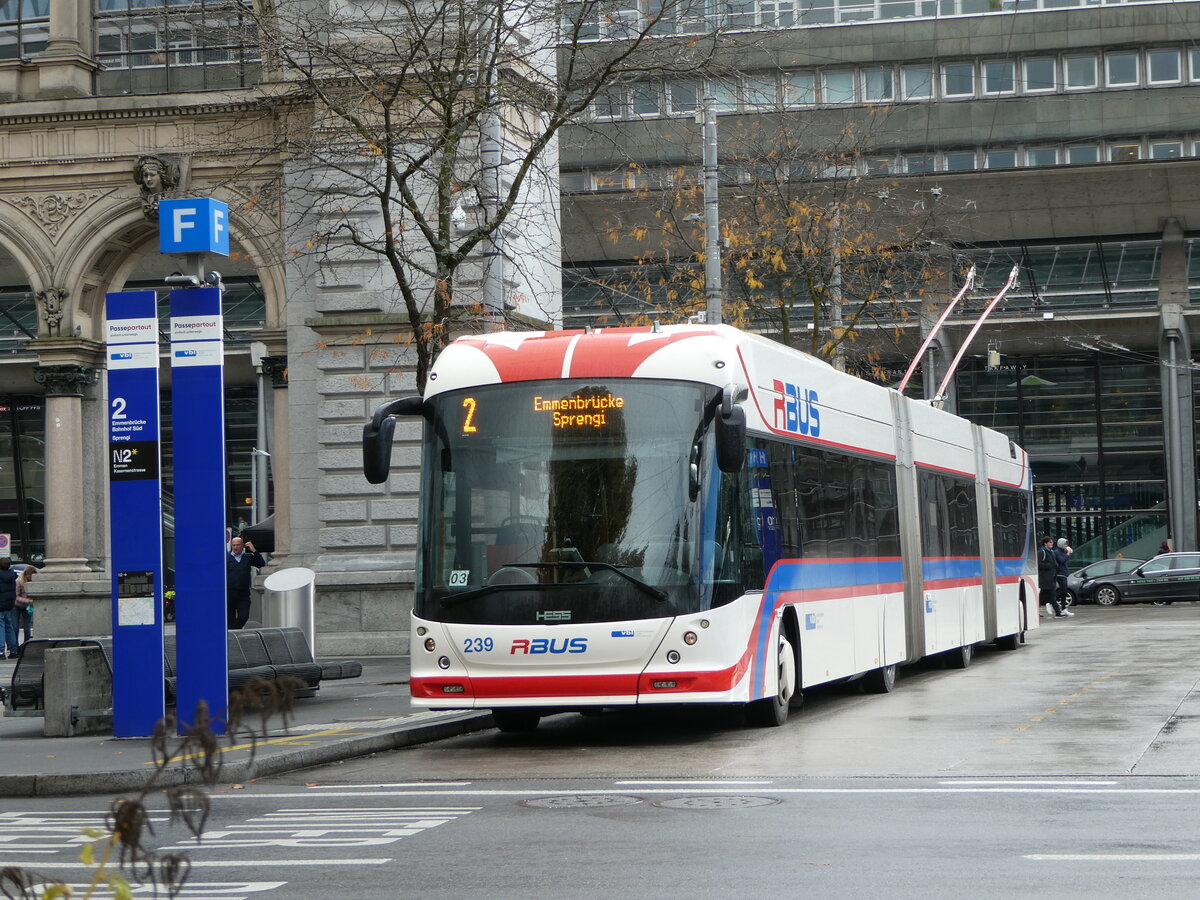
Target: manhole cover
[716, 802]
[581, 801]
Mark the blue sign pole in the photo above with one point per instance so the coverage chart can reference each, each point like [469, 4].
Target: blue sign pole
[198, 420]
[135, 503]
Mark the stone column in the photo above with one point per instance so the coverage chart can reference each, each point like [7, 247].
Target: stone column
[1175, 364]
[65, 67]
[65, 500]
[276, 367]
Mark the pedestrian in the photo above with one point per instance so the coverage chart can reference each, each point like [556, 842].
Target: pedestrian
[240, 559]
[8, 608]
[1062, 552]
[1164, 547]
[1047, 581]
[24, 603]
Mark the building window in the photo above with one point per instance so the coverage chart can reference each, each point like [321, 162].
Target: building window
[999, 76]
[837, 86]
[1166, 149]
[920, 163]
[799, 89]
[24, 25]
[1001, 159]
[682, 96]
[1126, 152]
[880, 165]
[1163, 66]
[155, 46]
[917, 82]
[1040, 75]
[760, 91]
[1041, 156]
[960, 160]
[644, 99]
[609, 104]
[1194, 64]
[1080, 72]
[958, 80]
[573, 182]
[878, 85]
[725, 96]
[1083, 153]
[1121, 69]
[777, 13]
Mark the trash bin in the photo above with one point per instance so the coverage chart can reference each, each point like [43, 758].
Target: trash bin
[288, 601]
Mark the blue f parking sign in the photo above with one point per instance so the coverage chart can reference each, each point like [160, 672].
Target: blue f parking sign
[198, 225]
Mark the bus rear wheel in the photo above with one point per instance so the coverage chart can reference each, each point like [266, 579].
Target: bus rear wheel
[516, 720]
[958, 658]
[772, 712]
[880, 681]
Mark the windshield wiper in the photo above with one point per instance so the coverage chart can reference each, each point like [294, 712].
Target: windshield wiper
[451, 599]
[658, 594]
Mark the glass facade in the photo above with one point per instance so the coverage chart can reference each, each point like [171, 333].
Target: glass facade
[156, 46]
[1093, 430]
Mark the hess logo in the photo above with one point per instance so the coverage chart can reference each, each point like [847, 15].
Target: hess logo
[548, 645]
[796, 409]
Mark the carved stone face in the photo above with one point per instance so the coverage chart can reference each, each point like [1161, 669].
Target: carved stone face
[152, 176]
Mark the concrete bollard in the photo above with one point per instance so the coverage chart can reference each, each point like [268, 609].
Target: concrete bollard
[78, 686]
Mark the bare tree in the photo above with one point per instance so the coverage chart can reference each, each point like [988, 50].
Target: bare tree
[820, 243]
[429, 132]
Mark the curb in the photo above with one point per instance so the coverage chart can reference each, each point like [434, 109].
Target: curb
[68, 784]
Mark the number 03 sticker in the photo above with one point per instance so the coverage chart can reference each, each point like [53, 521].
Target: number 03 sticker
[460, 577]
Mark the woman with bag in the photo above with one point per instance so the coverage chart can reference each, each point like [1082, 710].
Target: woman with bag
[24, 603]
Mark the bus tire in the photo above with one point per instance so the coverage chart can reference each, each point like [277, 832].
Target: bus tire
[1008, 641]
[881, 680]
[771, 712]
[958, 658]
[517, 720]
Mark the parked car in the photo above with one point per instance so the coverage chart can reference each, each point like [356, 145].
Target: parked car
[1077, 579]
[1164, 579]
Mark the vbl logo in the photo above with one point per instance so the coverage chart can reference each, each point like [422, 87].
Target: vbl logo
[548, 645]
[796, 409]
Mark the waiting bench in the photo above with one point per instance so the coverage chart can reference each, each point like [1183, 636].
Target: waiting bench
[263, 653]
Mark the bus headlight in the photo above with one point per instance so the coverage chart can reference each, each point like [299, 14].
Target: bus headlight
[430, 644]
[689, 638]
[672, 656]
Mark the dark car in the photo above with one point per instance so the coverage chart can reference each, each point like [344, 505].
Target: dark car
[1077, 579]
[1164, 579]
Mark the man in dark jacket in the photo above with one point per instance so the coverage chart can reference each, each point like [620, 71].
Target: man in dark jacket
[8, 608]
[1047, 577]
[238, 563]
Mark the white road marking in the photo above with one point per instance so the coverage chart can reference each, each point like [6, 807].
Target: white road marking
[400, 784]
[1005, 782]
[713, 783]
[369, 795]
[215, 890]
[252, 863]
[1114, 857]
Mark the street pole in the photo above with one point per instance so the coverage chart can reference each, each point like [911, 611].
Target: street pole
[712, 237]
[491, 143]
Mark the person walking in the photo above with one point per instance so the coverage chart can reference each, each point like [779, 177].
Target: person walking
[1062, 552]
[25, 603]
[1047, 579]
[1164, 547]
[8, 607]
[241, 558]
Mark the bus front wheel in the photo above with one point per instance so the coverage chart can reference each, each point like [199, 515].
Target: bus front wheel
[516, 720]
[772, 712]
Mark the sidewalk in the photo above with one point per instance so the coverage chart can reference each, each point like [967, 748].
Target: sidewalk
[348, 718]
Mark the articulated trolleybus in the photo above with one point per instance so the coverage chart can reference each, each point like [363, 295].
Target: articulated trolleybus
[692, 514]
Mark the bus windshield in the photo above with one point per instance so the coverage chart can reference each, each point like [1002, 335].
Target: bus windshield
[563, 501]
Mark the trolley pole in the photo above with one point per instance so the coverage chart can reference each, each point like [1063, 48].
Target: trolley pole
[712, 236]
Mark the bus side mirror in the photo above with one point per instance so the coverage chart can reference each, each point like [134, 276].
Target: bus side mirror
[731, 440]
[377, 437]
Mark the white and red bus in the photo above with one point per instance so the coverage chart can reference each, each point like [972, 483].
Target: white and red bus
[693, 514]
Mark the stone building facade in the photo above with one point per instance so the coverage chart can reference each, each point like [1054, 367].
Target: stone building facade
[108, 106]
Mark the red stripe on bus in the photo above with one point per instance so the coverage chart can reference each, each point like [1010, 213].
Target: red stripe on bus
[841, 592]
[925, 465]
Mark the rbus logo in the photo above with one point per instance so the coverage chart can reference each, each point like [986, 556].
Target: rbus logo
[548, 645]
[796, 409]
